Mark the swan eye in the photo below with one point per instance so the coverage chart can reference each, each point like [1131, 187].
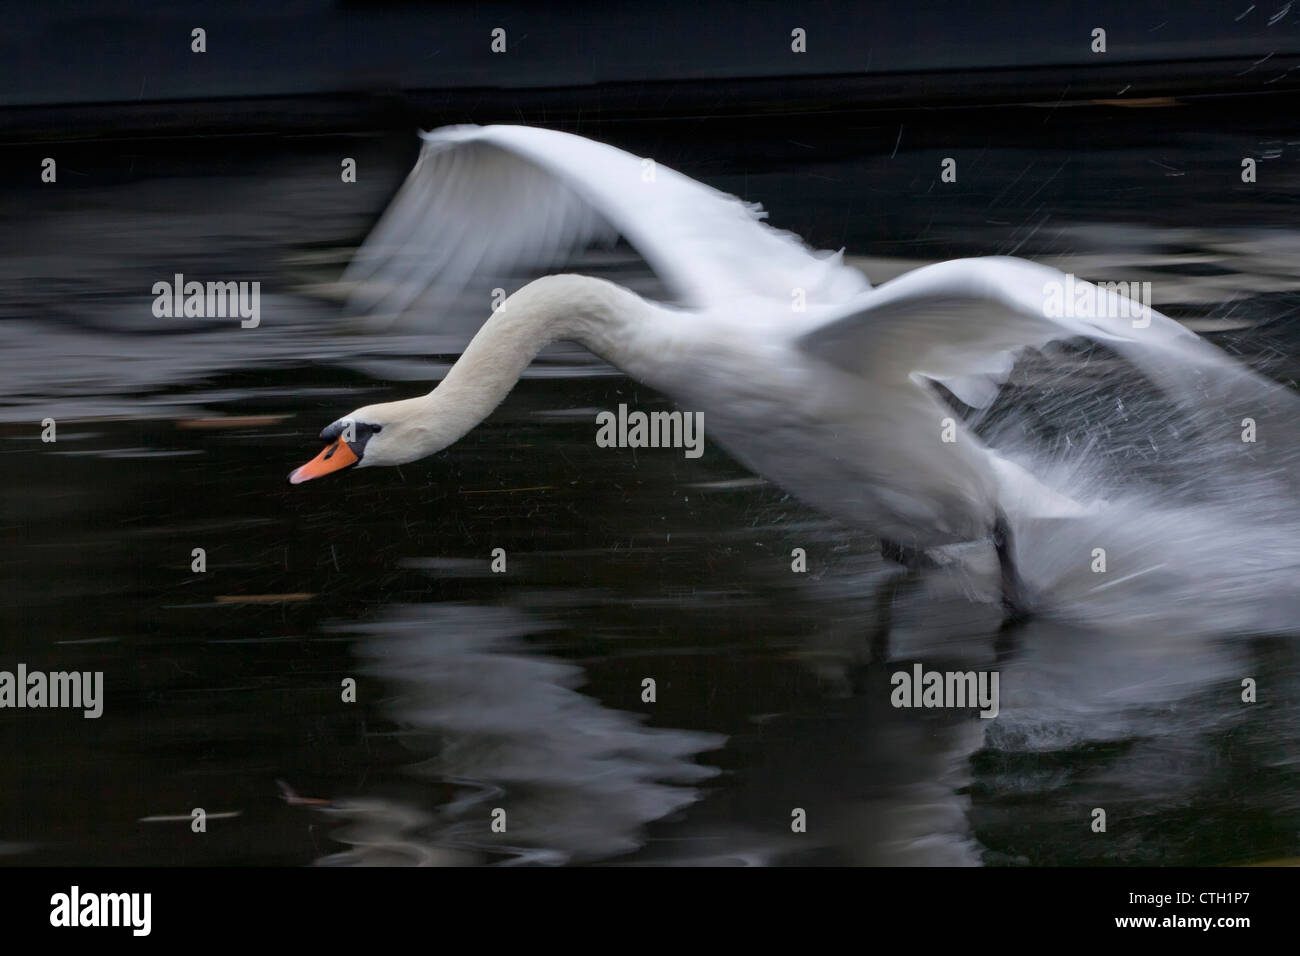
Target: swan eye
[360, 431]
[356, 435]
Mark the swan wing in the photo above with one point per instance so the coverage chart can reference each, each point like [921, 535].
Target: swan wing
[961, 323]
[500, 197]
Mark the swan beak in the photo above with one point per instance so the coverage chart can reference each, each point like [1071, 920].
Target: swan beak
[333, 458]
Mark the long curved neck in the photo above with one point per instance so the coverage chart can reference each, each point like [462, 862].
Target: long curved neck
[613, 322]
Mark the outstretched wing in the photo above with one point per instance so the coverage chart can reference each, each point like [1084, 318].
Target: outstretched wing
[498, 197]
[960, 323]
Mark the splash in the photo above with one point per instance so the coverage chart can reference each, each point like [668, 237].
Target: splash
[1190, 493]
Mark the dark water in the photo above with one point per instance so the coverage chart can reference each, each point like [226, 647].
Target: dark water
[523, 690]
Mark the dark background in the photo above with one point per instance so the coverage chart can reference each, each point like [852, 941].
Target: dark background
[342, 64]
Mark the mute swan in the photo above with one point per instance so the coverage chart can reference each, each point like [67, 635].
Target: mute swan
[834, 402]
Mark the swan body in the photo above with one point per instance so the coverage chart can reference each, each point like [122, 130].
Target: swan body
[834, 401]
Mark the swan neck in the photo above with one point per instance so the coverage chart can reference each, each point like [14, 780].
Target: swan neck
[593, 312]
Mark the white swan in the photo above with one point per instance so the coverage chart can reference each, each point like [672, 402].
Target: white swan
[833, 402]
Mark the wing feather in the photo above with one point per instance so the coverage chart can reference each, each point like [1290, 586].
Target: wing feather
[496, 198]
[961, 323]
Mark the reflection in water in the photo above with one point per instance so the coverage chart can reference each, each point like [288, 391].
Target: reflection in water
[507, 729]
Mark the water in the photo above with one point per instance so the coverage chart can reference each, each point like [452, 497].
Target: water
[523, 690]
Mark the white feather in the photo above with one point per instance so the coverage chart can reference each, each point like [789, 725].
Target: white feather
[493, 198]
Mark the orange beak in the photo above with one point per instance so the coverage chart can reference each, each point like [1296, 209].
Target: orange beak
[333, 458]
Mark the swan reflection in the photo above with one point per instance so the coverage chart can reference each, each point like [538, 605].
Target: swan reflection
[505, 727]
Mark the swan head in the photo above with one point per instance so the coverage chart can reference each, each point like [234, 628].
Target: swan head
[394, 433]
[387, 434]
